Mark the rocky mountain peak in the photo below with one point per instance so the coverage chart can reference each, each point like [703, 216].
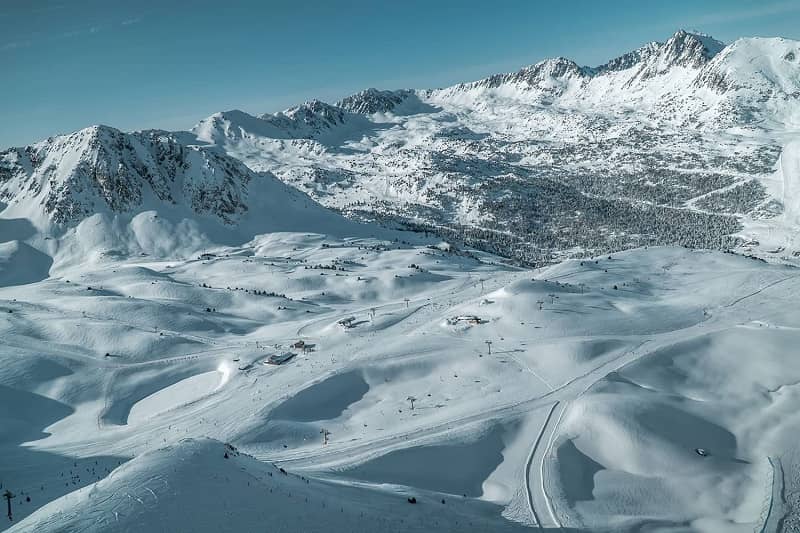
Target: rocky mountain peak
[370, 101]
[316, 113]
[104, 169]
[550, 76]
[690, 49]
[630, 59]
[306, 120]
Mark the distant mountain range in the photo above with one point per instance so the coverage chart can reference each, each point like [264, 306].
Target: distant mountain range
[685, 142]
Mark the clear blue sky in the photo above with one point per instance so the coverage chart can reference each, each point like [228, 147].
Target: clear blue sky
[142, 63]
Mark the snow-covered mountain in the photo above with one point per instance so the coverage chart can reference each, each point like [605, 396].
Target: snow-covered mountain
[310, 120]
[101, 191]
[371, 101]
[101, 169]
[691, 79]
[672, 143]
[150, 282]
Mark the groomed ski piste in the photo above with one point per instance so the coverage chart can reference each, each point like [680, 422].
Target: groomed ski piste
[187, 343]
[653, 389]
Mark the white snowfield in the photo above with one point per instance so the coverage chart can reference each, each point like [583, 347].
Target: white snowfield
[690, 125]
[152, 283]
[122, 379]
[688, 142]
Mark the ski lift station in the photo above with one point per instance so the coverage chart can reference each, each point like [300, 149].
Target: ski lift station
[346, 323]
[465, 319]
[279, 358]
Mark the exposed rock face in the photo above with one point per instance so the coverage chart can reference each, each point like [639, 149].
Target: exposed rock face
[101, 168]
[541, 75]
[372, 101]
[663, 145]
[308, 119]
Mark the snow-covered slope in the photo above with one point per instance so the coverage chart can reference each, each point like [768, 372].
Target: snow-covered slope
[204, 485]
[100, 169]
[691, 79]
[101, 191]
[149, 281]
[310, 120]
[673, 143]
[604, 379]
[371, 101]
[757, 81]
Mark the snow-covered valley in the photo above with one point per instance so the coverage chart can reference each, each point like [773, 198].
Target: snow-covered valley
[675, 143]
[562, 298]
[122, 381]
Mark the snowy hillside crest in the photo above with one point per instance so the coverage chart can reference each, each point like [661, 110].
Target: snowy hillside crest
[562, 298]
[100, 169]
[601, 138]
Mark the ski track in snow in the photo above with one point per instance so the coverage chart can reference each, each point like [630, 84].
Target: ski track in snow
[136, 394]
[402, 337]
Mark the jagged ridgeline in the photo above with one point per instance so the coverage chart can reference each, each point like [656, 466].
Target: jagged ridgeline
[675, 143]
[101, 168]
